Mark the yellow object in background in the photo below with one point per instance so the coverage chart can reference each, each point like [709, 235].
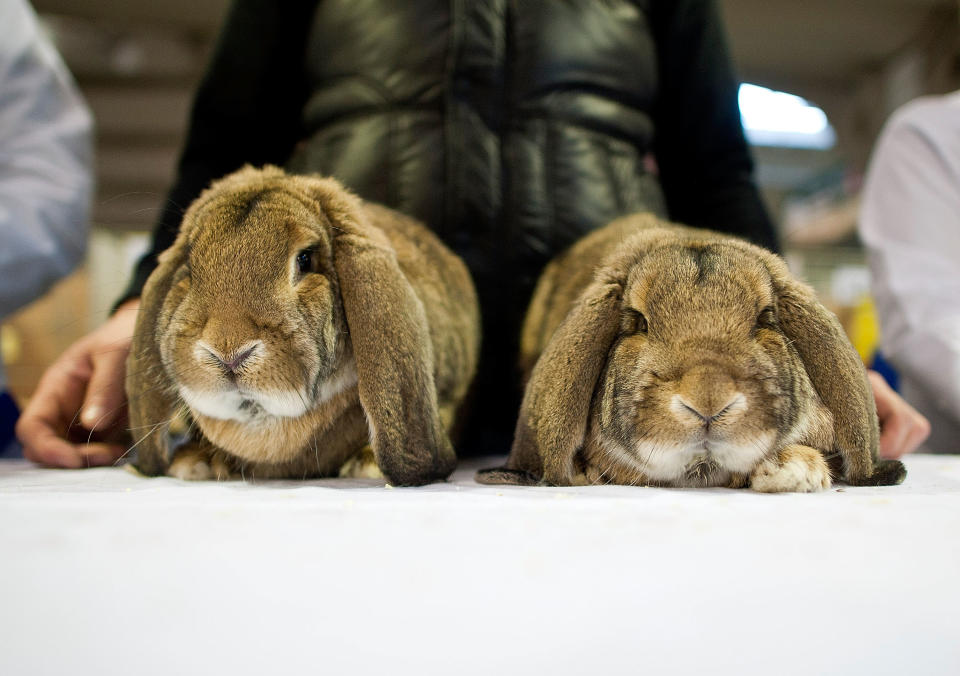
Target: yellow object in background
[11, 348]
[864, 329]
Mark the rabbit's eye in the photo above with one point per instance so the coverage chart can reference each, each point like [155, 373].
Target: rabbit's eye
[306, 261]
[634, 322]
[767, 319]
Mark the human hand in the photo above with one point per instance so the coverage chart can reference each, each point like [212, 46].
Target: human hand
[77, 415]
[902, 427]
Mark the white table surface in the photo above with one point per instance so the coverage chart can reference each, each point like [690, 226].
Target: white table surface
[102, 572]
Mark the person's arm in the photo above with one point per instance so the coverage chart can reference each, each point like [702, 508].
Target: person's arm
[247, 109]
[705, 165]
[910, 223]
[46, 159]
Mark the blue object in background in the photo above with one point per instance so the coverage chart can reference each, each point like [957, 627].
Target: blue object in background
[885, 368]
[9, 446]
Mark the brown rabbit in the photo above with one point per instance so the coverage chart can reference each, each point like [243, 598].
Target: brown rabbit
[293, 324]
[663, 355]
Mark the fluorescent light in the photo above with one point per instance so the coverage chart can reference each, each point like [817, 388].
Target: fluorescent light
[772, 118]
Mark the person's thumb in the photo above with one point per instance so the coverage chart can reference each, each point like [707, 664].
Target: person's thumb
[105, 395]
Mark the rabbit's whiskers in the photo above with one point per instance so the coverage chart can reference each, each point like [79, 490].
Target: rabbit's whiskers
[145, 436]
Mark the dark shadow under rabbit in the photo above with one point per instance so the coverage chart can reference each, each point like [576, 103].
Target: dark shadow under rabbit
[663, 355]
[293, 331]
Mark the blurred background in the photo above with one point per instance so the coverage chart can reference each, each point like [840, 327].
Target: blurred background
[821, 78]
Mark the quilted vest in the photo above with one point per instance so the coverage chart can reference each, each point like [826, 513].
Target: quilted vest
[510, 128]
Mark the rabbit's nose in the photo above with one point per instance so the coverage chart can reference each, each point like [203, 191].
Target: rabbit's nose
[234, 360]
[235, 363]
[707, 411]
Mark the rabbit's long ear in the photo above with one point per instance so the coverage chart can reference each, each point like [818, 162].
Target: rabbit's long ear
[838, 376]
[152, 398]
[556, 403]
[391, 345]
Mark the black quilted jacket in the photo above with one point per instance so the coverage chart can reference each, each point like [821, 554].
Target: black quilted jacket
[511, 127]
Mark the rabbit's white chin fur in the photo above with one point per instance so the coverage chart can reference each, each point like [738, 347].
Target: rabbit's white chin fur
[249, 407]
[708, 463]
[243, 406]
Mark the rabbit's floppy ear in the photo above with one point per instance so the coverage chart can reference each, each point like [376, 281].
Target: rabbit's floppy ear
[556, 403]
[837, 374]
[501, 476]
[391, 344]
[152, 395]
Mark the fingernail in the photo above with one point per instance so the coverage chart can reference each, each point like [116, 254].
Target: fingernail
[91, 415]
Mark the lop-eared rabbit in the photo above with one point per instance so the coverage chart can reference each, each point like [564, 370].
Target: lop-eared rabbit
[663, 355]
[292, 329]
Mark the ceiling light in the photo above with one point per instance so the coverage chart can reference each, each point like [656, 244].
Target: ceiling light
[772, 118]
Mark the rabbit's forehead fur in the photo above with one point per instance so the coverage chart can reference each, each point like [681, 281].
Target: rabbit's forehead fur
[677, 286]
[237, 243]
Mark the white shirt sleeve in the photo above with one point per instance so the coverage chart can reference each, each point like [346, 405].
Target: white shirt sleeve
[46, 158]
[910, 223]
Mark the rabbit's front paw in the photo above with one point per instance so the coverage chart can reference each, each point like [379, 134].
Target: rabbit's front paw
[198, 464]
[363, 465]
[798, 469]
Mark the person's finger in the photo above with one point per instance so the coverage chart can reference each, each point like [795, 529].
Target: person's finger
[919, 431]
[51, 450]
[96, 454]
[40, 430]
[105, 395]
[881, 390]
[894, 430]
[45, 446]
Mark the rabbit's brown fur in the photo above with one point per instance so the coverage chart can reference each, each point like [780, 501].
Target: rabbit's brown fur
[289, 371]
[663, 355]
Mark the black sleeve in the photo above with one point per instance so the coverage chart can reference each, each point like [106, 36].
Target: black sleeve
[705, 165]
[246, 110]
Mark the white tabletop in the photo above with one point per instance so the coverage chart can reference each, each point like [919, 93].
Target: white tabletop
[102, 572]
